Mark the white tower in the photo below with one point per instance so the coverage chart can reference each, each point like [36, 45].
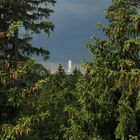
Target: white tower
[69, 67]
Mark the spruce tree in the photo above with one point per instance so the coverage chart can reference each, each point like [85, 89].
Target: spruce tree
[53, 99]
[19, 110]
[20, 86]
[58, 93]
[33, 18]
[108, 103]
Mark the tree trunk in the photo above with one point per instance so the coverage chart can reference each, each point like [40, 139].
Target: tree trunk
[15, 48]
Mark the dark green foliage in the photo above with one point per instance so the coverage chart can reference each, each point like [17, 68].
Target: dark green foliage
[32, 17]
[21, 81]
[58, 93]
[19, 109]
[103, 104]
[108, 97]
[73, 78]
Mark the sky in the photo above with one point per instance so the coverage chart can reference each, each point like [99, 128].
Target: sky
[75, 22]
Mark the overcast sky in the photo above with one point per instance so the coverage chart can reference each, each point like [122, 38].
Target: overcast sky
[75, 21]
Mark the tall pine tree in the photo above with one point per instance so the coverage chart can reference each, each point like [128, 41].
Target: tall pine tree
[33, 17]
[20, 82]
[108, 98]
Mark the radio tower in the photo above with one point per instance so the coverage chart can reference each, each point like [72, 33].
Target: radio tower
[69, 67]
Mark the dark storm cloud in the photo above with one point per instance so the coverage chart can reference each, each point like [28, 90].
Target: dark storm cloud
[75, 22]
[81, 8]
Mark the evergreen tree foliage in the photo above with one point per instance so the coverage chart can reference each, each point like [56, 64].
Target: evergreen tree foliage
[73, 78]
[19, 109]
[53, 100]
[108, 97]
[32, 16]
[21, 83]
[58, 93]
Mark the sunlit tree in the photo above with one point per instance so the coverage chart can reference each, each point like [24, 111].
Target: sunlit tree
[108, 100]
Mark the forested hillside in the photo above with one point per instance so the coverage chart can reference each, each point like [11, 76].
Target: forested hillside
[101, 104]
